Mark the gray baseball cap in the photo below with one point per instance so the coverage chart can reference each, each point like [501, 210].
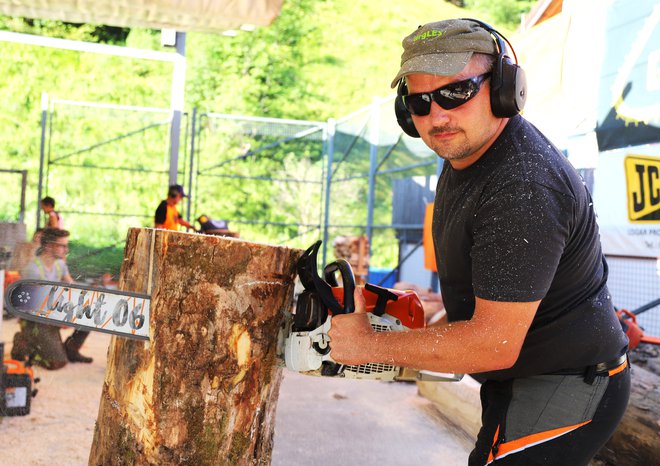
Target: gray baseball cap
[443, 48]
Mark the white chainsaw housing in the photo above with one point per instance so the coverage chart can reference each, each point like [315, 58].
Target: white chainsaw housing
[299, 351]
[305, 351]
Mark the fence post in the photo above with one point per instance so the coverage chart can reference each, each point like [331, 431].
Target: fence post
[374, 121]
[177, 97]
[42, 154]
[192, 159]
[331, 129]
[21, 215]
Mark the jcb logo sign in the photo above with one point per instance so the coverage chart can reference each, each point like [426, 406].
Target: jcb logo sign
[643, 182]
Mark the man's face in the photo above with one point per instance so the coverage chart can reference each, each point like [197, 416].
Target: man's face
[60, 248]
[177, 198]
[463, 134]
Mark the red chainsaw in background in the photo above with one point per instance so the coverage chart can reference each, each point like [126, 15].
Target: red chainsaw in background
[635, 333]
[304, 343]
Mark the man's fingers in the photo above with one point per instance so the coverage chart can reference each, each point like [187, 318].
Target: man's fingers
[360, 302]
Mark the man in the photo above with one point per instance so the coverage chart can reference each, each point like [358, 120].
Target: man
[521, 270]
[53, 218]
[43, 343]
[167, 216]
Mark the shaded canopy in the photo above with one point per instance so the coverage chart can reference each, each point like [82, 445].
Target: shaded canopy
[182, 15]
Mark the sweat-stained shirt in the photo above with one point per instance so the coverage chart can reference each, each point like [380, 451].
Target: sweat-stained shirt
[518, 225]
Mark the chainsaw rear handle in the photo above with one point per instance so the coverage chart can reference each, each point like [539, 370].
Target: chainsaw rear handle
[348, 281]
[384, 295]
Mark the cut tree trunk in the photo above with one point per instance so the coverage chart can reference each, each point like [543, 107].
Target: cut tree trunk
[203, 390]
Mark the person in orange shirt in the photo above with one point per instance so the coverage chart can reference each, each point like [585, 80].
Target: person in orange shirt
[167, 216]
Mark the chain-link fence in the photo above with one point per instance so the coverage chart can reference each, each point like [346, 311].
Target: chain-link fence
[635, 282]
[106, 166]
[263, 176]
[379, 183]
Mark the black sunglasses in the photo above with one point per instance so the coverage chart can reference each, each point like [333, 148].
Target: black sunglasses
[448, 97]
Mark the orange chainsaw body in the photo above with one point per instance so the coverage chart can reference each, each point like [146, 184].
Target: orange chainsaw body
[407, 308]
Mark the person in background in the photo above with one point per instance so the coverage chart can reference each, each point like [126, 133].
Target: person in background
[167, 216]
[521, 269]
[53, 218]
[40, 343]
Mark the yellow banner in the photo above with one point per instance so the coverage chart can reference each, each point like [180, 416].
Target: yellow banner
[643, 188]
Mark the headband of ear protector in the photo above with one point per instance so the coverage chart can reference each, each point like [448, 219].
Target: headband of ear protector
[508, 86]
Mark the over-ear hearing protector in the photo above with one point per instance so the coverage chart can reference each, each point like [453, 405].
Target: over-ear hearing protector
[508, 86]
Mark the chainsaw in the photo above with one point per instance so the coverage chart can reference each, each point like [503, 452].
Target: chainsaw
[634, 331]
[303, 343]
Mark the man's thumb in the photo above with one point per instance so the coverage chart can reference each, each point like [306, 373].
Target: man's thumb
[360, 302]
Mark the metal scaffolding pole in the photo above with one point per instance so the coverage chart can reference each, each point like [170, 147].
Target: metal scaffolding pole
[192, 160]
[177, 102]
[373, 164]
[328, 182]
[42, 154]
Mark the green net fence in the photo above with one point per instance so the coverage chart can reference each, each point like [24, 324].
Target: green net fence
[264, 177]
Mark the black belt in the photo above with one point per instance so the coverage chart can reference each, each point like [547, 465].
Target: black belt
[609, 365]
[590, 372]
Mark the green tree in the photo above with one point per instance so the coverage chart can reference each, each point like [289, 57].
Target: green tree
[504, 14]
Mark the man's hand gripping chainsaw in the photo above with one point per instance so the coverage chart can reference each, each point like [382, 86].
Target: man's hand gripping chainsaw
[304, 343]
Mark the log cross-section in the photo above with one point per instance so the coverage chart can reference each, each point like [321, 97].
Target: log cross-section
[203, 390]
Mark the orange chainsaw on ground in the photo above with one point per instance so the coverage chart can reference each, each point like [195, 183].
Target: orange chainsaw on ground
[634, 332]
[304, 343]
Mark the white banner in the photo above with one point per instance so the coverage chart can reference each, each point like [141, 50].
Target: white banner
[627, 200]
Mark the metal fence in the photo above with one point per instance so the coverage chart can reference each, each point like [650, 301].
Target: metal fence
[275, 168]
[633, 283]
[367, 155]
[88, 147]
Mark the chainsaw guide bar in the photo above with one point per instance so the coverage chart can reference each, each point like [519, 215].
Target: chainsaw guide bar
[120, 313]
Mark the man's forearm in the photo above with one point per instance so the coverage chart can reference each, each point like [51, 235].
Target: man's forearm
[460, 347]
[490, 340]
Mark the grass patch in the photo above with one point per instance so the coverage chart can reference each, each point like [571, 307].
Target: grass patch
[89, 263]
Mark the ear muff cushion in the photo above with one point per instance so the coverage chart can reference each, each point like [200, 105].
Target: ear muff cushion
[403, 116]
[508, 90]
[508, 85]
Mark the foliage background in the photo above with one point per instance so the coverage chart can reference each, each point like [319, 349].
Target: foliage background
[320, 59]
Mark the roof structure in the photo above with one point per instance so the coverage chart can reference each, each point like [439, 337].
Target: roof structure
[215, 16]
[543, 10]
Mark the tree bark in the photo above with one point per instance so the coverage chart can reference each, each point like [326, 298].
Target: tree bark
[203, 390]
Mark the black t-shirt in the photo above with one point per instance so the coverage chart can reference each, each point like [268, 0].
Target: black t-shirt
[518, 225]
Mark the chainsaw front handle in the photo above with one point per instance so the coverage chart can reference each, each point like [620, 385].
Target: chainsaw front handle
[348, 281]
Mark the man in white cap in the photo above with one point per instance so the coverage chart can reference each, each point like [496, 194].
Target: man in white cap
[521, 270]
